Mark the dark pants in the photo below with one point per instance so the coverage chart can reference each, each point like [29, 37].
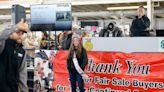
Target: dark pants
[76, 77]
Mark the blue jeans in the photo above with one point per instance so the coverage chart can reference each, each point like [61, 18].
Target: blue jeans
[76, 77]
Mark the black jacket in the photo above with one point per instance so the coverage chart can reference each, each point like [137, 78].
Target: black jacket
[82, 61]
[116, 33]
[10, 61]
[67, 42]
[139, 25]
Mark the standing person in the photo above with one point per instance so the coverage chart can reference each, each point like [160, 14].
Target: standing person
[44, 41]
[37, 86]
[60, 41]
[22, 67]
[77, 52]
[67, 40]
[111, 31]
[68, 37]
[30, 44]
[141, 24]
[12, 67]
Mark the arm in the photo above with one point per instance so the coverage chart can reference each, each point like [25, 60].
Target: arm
[27, 45]
[30, 42]
[146, 21]
[5, 34]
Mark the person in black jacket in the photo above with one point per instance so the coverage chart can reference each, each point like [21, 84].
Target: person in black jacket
[82, 59]
[22, 66]
[141, 24]
[67, 40]
[11, 61]
[111, 31]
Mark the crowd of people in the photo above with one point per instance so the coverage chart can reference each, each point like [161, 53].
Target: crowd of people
[140, 27]
[15, 39]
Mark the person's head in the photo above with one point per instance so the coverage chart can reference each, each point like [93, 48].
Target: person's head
[141, 11]
[111, 26]
[52, 47]
[84, 33]
[45, 43]
[75, 28]
[75, 46]
[76, 41]
[14, 36]
[37, 82]
[60, 37]
[22, 28]
[44, 35]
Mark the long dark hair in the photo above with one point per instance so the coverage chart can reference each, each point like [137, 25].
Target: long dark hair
[77, 50]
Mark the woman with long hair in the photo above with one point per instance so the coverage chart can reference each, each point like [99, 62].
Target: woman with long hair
[78, 53]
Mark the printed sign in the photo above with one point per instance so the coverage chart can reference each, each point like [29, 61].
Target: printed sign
[114, 72]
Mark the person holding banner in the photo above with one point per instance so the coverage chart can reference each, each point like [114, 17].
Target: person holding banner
[76, 62]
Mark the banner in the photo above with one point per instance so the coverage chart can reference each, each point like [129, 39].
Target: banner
[43, 70]
[114, 72]
[124, 44]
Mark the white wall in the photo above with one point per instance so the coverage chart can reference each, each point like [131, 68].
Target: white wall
[159, 23]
